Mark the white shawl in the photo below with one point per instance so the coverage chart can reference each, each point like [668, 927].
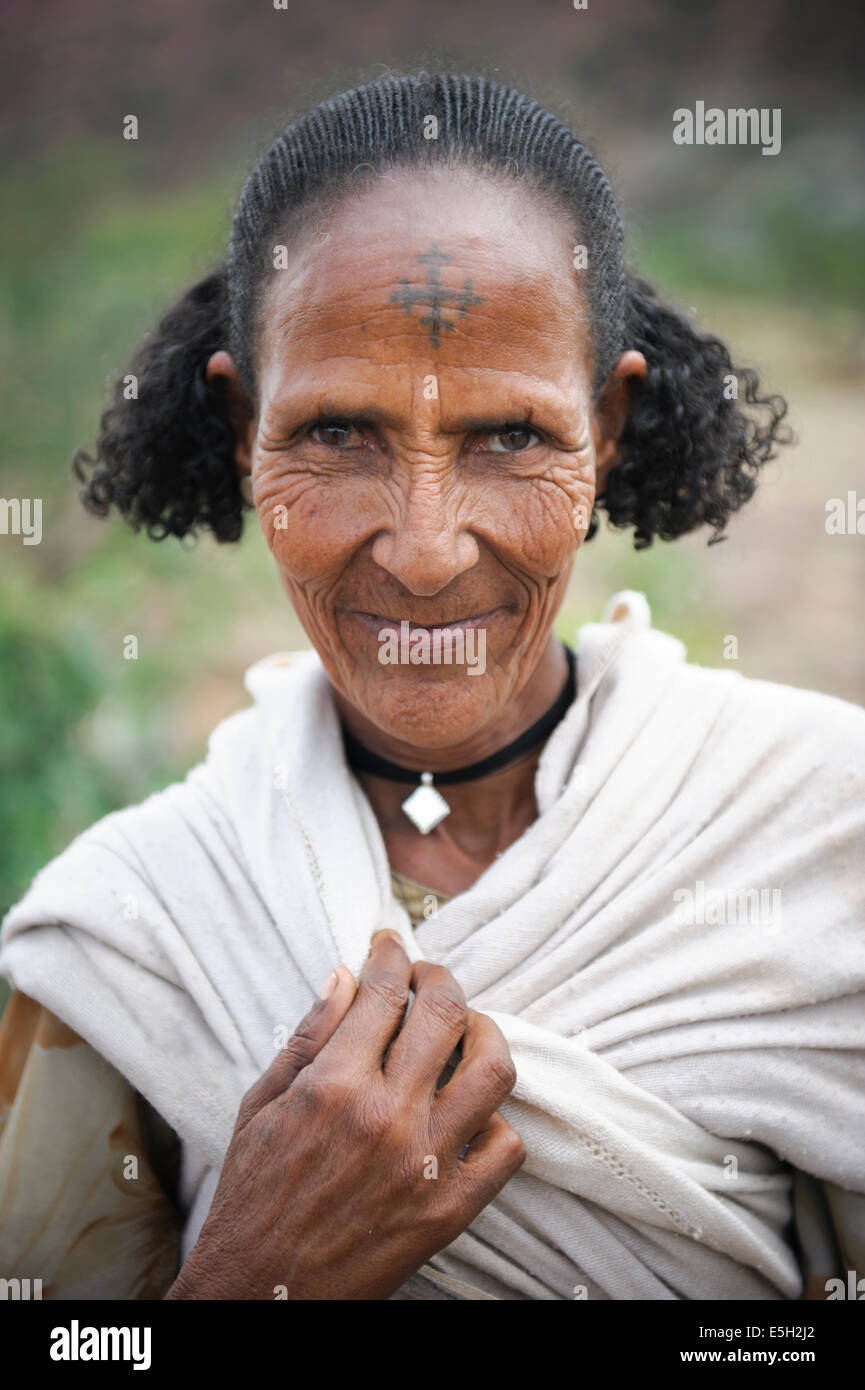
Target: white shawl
[671, 1072]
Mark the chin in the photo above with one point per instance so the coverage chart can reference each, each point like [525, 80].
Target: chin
[437, 708]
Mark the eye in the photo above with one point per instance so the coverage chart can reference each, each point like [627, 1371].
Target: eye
[512, 439]
[335, 434]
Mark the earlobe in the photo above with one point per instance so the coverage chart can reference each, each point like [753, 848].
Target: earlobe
[221, 366]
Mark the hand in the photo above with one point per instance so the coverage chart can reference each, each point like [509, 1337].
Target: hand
[344, 1174]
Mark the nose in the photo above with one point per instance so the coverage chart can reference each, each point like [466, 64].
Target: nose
[428, 544]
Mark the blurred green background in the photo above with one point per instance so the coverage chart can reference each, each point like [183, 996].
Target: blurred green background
[100, 234]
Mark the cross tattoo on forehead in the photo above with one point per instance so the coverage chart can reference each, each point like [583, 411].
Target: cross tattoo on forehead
[434, 295]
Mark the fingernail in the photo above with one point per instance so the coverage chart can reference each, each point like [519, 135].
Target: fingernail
[329, 985]
[388, 931]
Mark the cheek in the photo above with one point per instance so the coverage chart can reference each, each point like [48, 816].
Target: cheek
[311, 524]
[538, 523]
[314, 523]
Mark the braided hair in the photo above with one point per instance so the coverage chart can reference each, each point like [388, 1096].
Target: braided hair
[689, 453]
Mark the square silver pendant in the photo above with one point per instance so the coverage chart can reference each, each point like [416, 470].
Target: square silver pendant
[426, 808]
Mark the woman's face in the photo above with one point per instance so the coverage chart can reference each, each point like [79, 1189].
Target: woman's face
[425, 446]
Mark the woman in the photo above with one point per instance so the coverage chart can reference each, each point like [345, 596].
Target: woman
[425, 363]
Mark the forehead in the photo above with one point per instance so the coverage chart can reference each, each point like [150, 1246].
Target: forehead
[444, 269]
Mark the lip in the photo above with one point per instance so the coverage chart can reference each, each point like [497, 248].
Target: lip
[377, 621]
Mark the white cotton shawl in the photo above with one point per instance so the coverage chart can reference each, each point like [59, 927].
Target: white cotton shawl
[671, 1073]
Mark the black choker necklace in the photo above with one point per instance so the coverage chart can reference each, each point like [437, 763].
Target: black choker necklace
[426, 807]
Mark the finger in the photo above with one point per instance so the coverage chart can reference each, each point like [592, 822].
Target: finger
[493, 1157]
[309, 1037]
[484, 1077]
[379, 1006]
[438, 1018]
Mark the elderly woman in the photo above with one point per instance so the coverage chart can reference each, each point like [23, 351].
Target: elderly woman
[583, 927]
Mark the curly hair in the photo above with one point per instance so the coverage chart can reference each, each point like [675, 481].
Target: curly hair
[697, 431]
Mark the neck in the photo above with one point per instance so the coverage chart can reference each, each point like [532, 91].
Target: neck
[487, 814]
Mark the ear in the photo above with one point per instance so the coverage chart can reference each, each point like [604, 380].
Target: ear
[241, 410]
[611, 412]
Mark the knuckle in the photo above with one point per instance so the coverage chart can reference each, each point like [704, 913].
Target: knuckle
[298, 1052]
[305, 1032]
[373, 1120]
[499, 1073]
[317, 1090]
[448, 1007]
[427, 973]
[308, 1091]
[389, 992]
[513, 1149]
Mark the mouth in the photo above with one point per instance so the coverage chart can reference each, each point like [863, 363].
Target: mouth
[377, 621]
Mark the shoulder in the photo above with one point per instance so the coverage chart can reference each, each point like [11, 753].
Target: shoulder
[809, 714]
[806, 737]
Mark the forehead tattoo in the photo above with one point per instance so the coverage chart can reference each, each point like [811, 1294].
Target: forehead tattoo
[434, 294]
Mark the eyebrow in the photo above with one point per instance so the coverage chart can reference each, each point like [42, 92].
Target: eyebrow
[464, 425]
[484, 423]
[371, 415]
[521, 412]
[488, 424]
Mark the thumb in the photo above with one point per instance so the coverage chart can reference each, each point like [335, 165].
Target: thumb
[309, 1037]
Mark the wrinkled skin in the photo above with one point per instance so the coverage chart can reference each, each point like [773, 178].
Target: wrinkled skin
[344, 1172]
[425, 512]
[405, 469]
